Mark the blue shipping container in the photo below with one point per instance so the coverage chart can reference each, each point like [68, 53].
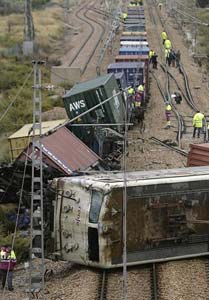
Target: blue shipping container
[134, 71]
[134, 51]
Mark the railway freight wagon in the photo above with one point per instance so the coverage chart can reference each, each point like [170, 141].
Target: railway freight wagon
[136, 73]
[167, 216]
[85, 96]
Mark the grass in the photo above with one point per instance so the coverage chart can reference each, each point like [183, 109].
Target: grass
[48, 31]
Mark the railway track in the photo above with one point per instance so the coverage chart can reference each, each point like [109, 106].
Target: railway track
[173, 83]
[87, 49]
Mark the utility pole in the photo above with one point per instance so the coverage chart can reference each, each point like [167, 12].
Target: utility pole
[37, 220]
[29, 33]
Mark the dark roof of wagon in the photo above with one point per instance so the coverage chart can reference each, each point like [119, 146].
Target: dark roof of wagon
[88, 85]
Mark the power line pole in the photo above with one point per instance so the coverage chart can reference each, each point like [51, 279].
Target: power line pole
[29, 33]
[37, 220]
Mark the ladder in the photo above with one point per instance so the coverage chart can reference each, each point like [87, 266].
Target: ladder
[36, 276]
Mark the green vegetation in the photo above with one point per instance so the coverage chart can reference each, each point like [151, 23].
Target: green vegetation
[17, 6]
[15, 68]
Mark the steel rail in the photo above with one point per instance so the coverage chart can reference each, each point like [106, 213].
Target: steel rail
[102, 294]
[180, 151]
[87, 38]
[97, 43]
[153, 275]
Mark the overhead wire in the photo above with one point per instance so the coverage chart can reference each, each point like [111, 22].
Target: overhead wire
[17, 95]
[17, 215]
[124, 219]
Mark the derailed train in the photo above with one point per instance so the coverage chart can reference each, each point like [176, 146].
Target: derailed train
[131, 68]
[167, 216]
[167, 210]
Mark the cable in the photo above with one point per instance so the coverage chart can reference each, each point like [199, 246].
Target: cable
[17, 215]
[20, 90]
[125, 205]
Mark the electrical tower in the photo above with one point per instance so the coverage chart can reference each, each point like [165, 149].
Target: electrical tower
[37, 221]
[29, 33]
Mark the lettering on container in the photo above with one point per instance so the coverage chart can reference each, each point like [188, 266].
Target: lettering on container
[77, 105]
[78, 218]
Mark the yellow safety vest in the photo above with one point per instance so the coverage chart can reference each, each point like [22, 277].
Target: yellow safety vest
[130, 91]
[151, 53]
[140, 88]
[197, 120]
[167, 44]
[168, 108]
[164, 35]
[3, 255]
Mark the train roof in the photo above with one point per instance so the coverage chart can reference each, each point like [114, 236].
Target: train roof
[88, 85]
[140, 178]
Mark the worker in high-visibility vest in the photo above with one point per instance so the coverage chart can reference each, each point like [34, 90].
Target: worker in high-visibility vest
[164, 36]
[151, 53]
[167, 44]
[131, 93]
[198, 123]
[141, 88]
[7, 264]
[124, 16]
[168, 109]
[160, 5]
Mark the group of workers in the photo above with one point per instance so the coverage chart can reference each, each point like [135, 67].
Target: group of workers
[197, 121]
[172, 58]
[136, 96]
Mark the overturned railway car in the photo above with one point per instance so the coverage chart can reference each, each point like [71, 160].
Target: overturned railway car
[167, 217]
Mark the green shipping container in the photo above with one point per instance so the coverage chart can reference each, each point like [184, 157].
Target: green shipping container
[86, 95]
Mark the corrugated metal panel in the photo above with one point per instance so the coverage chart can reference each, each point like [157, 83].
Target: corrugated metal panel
[198, 155]
[20, 139]
[69, 149]
[64, 151]
[88, 85]
[46, 126]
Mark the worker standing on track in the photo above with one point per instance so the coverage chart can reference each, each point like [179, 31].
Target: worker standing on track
[124, 16]
[151, 53]
[198, 123]
[160, 5]
[7, 264]
[131, 93]
[154, 61]
[164, 36]
[140, 90]
[168, 109]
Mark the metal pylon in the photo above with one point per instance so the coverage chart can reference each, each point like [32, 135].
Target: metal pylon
[37, 237]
